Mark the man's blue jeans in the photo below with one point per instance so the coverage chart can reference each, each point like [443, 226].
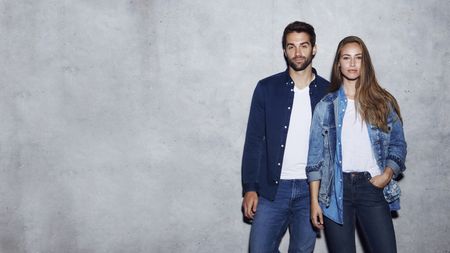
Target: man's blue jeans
[291, 208]
[365, 203]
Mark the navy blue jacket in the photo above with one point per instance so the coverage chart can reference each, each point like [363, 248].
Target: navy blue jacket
[267, 128]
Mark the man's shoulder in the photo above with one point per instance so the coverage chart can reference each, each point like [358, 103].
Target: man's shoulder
[319, 80]
[275, 79]
[322, 81]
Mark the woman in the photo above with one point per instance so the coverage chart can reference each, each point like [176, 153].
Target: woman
[356, 149]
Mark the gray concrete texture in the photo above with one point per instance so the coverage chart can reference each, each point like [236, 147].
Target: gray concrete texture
[122, 122]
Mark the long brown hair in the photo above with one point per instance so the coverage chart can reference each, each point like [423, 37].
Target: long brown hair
[373, 102]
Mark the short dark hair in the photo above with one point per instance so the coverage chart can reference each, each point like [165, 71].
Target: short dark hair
[299, 27]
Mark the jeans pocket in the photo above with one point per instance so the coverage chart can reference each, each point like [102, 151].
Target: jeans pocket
[373, 186]
[376, 187]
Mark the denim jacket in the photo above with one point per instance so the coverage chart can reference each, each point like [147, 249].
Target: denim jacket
[325, 153]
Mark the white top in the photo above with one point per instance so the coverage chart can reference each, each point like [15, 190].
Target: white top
[297, 141]
[357, 154]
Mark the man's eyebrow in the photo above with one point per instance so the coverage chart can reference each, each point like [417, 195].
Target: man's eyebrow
[302, 43]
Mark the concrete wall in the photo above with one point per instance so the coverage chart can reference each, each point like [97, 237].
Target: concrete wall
[122, 122]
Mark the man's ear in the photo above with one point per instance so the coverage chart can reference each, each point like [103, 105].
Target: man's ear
[314, 50]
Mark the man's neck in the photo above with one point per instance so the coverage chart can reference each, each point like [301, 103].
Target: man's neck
[302, 78]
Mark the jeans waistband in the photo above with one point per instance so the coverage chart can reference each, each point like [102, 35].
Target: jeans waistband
[292, 180]
[357, 175]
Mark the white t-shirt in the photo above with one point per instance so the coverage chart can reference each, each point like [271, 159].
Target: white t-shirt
[357, 154]
[297, 141]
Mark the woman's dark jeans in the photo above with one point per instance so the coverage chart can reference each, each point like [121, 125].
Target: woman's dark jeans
[365, 203]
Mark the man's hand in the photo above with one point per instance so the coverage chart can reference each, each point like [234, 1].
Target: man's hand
[316, 215]
[382, 180]
[249, 203]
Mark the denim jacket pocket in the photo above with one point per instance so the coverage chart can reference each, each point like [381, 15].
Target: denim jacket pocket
[329, 141]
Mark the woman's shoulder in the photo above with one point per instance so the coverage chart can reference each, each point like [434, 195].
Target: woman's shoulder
[323, 106]
[329, 98]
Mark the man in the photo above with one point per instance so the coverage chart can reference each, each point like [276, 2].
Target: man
[276, 192]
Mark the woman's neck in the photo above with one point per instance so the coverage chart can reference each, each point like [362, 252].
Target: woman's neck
[350, 88]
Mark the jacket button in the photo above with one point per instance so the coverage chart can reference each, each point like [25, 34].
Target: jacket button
[276, 182]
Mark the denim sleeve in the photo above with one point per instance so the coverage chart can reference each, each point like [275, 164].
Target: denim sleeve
[254, 141]
[315, 153]
[397, 146]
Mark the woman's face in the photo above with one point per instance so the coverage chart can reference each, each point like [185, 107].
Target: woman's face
[350, 61]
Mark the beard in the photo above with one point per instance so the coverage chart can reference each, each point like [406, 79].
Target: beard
[299, 66]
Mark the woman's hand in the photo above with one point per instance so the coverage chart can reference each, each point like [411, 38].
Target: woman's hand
[382, 180]
[316, 215]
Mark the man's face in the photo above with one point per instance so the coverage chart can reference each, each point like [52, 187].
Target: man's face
[298, 51]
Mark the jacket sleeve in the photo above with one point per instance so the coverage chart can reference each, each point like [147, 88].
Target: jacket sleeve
[315, 153]
[397, 145]
[254, 141]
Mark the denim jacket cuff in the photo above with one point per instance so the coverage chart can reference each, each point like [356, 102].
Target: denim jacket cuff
[314, 176]
[394, 166]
